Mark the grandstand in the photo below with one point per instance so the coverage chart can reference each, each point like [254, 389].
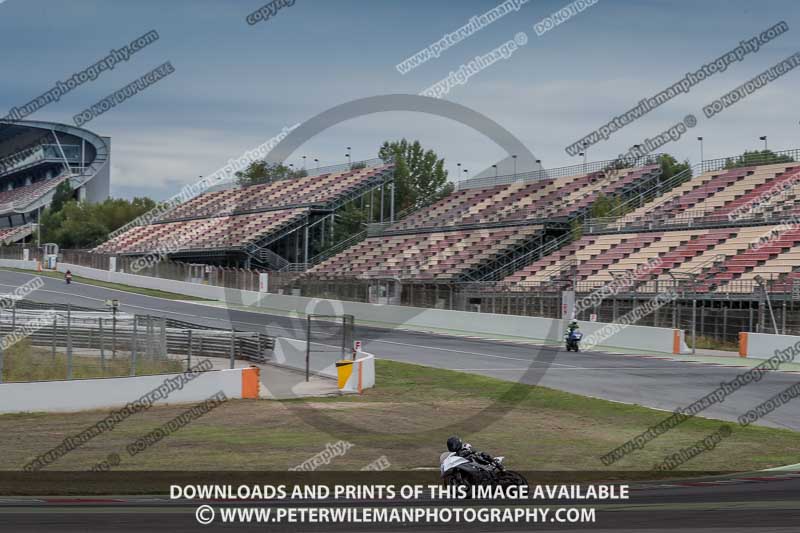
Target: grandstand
[482, 226]
[272, 225]
[35, 157]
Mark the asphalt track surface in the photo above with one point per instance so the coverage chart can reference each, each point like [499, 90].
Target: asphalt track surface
[761, 502]
[661, 383]
[750, 504]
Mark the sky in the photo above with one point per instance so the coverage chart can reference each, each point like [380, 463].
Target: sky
[236, 85]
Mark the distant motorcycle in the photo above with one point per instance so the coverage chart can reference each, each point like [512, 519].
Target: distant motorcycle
[68, 277]
[477, 469]
[573, 338]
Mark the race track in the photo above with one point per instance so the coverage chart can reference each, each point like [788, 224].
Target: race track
[662, 383]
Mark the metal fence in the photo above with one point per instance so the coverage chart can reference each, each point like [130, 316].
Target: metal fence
[40, 342]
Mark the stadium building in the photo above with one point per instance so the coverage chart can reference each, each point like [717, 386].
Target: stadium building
[35, 157]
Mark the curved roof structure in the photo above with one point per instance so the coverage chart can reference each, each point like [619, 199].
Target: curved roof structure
[36, 156]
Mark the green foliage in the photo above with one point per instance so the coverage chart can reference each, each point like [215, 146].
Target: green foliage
[349, 221]
[576, 229]
[757, 157]
[670, 167]
[62, 195]
[420, 176]
[85, 225]
[263, 172]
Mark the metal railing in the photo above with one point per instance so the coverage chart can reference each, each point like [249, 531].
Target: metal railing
[651, 195]
[58, 341]
[560, 172]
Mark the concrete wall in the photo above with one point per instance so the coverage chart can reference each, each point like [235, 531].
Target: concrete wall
[764, 345]
[16, 263]
[363, 376]
[292, 353]
[84, 394]
[488, 325]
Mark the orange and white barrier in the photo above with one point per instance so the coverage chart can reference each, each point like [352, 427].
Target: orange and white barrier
[766, 345]
[362, 375]
[162, 389]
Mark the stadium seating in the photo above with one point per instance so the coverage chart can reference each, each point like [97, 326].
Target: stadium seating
[231, 219]
[716, 194]
[201, 234]
[536, 200]
[442, 254]
[283, 193]
[24, 196]
[16, 233]
[721, 259]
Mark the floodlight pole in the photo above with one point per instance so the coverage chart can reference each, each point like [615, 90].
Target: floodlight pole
[760, 281]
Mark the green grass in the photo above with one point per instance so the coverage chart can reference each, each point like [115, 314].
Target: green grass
[117, 286]
[407, 418]
[709, 343]
[22, 363]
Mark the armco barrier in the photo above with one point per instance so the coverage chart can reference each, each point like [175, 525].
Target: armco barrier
[83, 394]
[764, 345]
[643, 338]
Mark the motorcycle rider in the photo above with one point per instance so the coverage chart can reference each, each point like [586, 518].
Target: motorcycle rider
[465, 450]
[68, 276]
[572, 326]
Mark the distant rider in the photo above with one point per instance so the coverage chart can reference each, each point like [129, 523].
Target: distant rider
[573, 325]
[68, 276]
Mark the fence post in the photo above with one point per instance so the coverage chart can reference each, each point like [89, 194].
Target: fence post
[1, 364]
[69, 341]
[102, 348]
[694, 324]
[54, 336]
[149, 336]
[189, 352]
[233, 348]
[114, 334]
[308, 348]
[133, 347]
[163, 349]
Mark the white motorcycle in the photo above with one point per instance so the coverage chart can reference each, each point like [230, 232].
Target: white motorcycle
[477, 470]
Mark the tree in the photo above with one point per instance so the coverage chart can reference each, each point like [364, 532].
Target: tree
[62, 195]
[757, 157]
[670, 167]
[85, 225]
[259, 172]
[420, 176]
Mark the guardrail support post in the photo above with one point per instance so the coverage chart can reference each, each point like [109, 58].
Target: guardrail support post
[233, 348]
[133, 347]
[102, 347]
[189, 351]
[69, 341]
[55, 332]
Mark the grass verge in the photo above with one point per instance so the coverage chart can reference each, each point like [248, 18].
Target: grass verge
[22, 363]
[117, 286]
[406, 419]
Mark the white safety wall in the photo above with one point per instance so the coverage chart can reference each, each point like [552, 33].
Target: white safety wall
[85, 394]
[644, 338]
